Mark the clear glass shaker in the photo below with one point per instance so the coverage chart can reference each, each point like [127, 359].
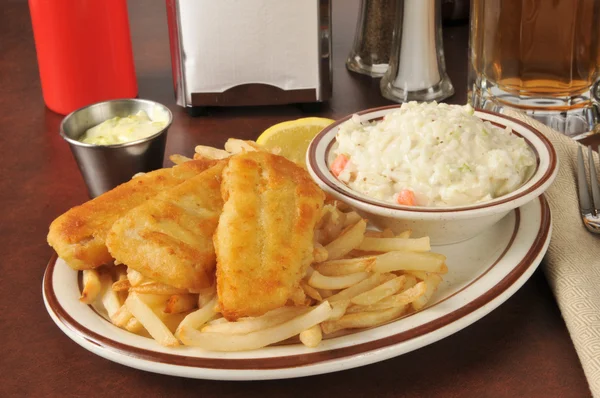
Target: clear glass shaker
[372, 47]
[417, 70]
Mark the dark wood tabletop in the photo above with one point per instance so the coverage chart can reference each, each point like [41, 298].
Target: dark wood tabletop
[520, 349]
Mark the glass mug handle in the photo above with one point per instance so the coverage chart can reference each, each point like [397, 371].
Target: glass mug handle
[577, 122]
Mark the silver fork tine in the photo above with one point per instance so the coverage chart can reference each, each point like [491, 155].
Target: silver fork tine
[582, 185]
[594, 178]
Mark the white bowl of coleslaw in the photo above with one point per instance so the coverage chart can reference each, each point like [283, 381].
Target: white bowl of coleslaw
[445, 171]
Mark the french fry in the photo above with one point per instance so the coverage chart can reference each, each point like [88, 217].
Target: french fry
[330, 214]
[122, 285]
[110, 299]
[351, 218]
[210, 152]
[311, 337]
[401, 299]
[235, 146]
[404, 234]
[205, 295]
[171, 321]
[253, 324]
[151, 322]
[373, 234]
[410, 281]
[349, 239]
[408, 261]
[154, 301]
[120, 272]
[422, 275]
[362, 286]
[362, 320]
[179, 159]
[444, 269]
[387, 233]
[121, 316]
[345, 266]
[91, 286]
[330, 225]
[134, 326]
[338, 309]
[217, 321]
[156, 288]
[325, 293]
[135, 278]
[320, 254]
[380, 292]
[338, 204]
[179, 303]
[196, 319]
[408, 296]
[258, 339]
[275, 312]
[311, 291]
[336, 282]
[380, 306]
[395, 244]
[432, 283]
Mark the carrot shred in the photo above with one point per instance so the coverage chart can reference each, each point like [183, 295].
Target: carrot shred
[339, 164]
[406, 197]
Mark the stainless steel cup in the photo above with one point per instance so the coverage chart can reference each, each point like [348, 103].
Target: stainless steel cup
[105, 166]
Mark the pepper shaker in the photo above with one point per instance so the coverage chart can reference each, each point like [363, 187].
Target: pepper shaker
[372, 47]
[417, 70]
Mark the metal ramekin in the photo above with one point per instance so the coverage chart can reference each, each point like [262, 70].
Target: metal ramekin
[103, 167]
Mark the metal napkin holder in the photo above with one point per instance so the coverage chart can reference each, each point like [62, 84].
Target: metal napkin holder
[245, 93]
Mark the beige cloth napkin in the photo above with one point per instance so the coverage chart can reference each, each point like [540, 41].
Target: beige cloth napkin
[572, 264]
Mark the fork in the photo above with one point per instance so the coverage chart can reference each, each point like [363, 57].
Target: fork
[589, 207]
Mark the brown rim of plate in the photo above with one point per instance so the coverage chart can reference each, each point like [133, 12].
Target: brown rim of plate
[312, 159]
[294, 361]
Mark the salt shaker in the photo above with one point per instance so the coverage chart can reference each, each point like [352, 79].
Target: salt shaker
[372, 47]
[417, 70]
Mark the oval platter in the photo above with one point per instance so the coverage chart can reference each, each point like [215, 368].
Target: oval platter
[483, 273]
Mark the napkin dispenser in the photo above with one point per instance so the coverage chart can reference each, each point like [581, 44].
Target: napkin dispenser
[250, 52]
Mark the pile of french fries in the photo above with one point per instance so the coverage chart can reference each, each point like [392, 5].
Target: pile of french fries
[359, 279]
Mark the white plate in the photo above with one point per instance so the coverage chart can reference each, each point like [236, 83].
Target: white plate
[483, 273]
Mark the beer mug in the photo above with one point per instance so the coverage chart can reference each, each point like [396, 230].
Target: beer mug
[538, 56]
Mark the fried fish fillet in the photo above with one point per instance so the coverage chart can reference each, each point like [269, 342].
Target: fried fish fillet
[264, 240]
[78, 236]
[169, 237]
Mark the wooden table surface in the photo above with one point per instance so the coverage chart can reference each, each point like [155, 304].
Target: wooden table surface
[520, 349]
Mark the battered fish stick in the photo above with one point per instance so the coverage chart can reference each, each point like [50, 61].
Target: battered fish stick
[78, 236]
[169, 237]
[264, 240]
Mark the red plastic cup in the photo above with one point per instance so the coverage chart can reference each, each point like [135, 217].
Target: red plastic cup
[84, 52]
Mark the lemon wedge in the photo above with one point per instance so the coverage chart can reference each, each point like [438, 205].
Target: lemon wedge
[291, 139]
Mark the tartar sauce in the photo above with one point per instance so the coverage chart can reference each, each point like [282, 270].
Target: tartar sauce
[429, 154]
[119, 130]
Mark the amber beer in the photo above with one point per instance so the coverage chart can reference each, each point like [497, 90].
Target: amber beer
[536, 54]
